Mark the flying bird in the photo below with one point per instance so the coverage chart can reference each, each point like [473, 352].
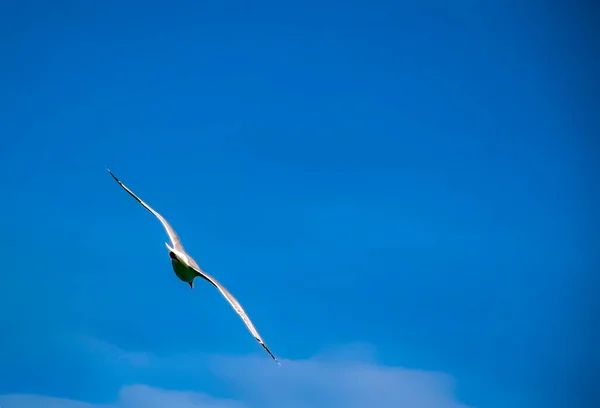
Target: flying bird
[187, 269]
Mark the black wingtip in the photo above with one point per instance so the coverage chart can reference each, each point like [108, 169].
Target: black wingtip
[271, 354]
[111, 173]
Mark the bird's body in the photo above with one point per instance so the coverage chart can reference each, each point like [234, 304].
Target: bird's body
[183, 272]
[187, 269]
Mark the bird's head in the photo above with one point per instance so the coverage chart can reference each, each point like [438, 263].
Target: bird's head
[177, 255]
[172, 253]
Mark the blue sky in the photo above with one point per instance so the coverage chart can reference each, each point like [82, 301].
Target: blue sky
[399, 193]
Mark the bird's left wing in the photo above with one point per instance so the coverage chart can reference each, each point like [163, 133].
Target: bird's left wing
[236, 306]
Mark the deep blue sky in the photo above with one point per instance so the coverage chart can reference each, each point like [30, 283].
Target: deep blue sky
[416, 177]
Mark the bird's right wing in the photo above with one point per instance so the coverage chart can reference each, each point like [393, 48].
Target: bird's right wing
[170, 231]
[236, 306]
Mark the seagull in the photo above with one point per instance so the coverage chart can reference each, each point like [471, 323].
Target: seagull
[187, 269]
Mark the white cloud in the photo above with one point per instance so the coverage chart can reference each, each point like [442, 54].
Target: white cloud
[349, 378]
[136, 396]
[339, 380]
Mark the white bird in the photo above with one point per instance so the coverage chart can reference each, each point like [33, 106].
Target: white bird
[187, 269]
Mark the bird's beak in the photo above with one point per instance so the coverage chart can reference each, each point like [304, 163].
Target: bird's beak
[191, 284]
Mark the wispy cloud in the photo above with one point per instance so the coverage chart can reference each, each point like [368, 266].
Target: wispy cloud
[136, 396]
[348, 377]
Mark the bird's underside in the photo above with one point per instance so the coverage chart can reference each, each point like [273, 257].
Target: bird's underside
[183, 272]
[187, 269]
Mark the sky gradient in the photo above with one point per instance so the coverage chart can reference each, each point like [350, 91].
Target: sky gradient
[400, 194]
